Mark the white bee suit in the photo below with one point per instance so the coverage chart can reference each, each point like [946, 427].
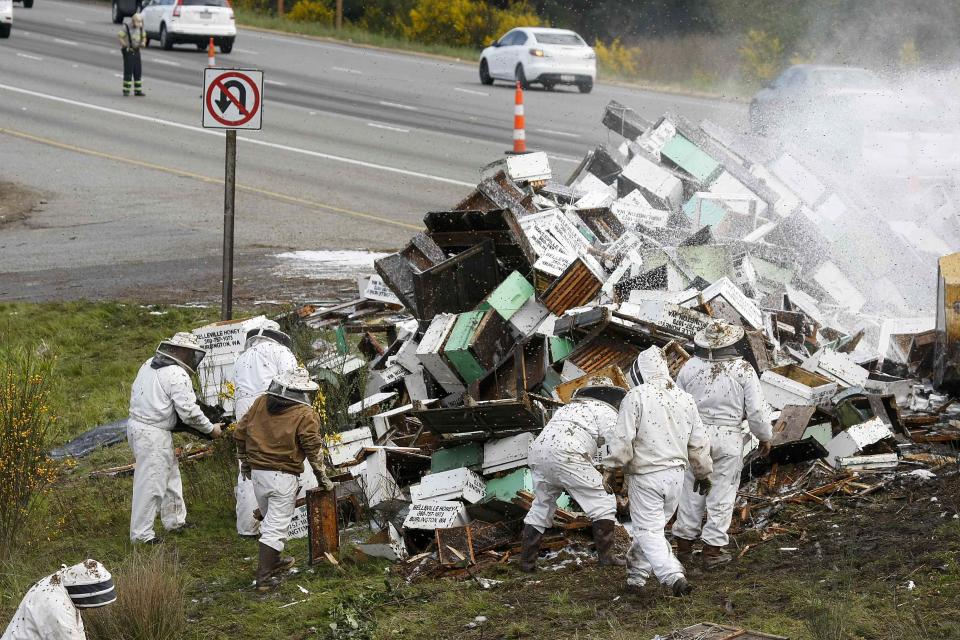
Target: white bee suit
[563, 458]
[262, 361]
[658, 433]
[51, 608]
[157, 398]
[726, 392]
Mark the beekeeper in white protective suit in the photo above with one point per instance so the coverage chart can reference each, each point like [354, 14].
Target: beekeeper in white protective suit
[51, 608]
[279, 432]
[563, 458]
[658, 435]
[162, 393]
[266, 354]
[727, 390]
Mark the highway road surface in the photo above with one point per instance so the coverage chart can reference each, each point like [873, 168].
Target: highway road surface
[357, 144]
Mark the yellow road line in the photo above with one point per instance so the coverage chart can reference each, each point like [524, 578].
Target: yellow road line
[202, 178]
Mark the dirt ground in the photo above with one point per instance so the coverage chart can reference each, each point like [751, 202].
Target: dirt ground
[16, 203]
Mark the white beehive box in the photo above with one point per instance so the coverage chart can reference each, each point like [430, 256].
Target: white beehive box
[223, 342]
[456, 484]
[661, 188]
[430, 352]
[732, 294]
[793, 385]
[344, 447]
[852, 441]
[837, 367]
[667, 316]
[506, 453]
[439, 514]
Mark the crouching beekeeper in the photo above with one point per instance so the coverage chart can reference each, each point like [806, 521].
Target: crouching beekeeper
[51, 608]
[562, 458]
[658, 434]
[275, 436]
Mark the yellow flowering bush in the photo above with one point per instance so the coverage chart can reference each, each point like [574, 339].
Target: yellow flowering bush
[26, 424]
[616, 58]
[311, 11]
[466, 23]
[761, 56]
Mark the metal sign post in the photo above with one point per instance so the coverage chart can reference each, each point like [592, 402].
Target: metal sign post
[232, 99]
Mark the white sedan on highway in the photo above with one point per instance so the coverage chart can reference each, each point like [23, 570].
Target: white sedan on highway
[193, 21]
[540, 55]
[6, 18]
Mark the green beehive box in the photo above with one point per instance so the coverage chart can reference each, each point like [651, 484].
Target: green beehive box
[507, 298]
[691, 159]
[466, 455]
[457, 350]
[507, 487]
[711, 213]
[560, 348]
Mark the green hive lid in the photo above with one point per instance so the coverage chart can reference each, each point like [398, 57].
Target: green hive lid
[509, 296]
[691, 159]
[457, 349]
[466, 455]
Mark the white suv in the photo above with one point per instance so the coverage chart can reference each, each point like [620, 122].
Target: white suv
[6, 18]
[546, 56]
[193, 21]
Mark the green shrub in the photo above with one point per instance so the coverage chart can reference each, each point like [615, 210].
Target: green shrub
[312, 11]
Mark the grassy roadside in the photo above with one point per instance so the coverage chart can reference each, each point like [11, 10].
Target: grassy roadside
[350, 34]
[849, 579]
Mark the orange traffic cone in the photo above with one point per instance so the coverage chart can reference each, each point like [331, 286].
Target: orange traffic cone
[211, 58]
[519, 123]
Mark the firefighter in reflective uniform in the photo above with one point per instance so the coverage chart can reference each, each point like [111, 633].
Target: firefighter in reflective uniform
[563, 458]
[162, 393]
[658, 434]
[727, 390]
[275, 436]
[266, 355]
[51, 608]
[132, 38]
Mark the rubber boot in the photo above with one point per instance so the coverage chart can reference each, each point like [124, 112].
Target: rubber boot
[684, 550]
[269, 565]
[603, 537]
[681, 587]
[530, 541]
[714, 557]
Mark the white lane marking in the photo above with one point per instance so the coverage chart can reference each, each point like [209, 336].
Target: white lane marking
[471, 91]
[276, 82]
[558, 133]
[396, 105]
[69, 42]
[167, 62]
[74, 21]
[564, 158]
[347, 70]
[255, 141]
[247, 51]
[29, 57]
[118, 75]
[388, 127]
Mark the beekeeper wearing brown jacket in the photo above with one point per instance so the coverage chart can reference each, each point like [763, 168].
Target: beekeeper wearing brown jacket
[275, 436]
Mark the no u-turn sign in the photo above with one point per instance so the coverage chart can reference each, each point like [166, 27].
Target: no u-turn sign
[232, 98]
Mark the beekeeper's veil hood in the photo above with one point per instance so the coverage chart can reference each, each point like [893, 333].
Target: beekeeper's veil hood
[89, 584]
[716, 341]
[268, 331]
[650, 365]
[183, 349]
[295, 386]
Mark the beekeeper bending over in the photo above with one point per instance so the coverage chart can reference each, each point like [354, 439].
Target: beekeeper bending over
[562, 458]
[266, 354]
[275, 436]
[161, 392]
[658, 435]
[51, 608]
[726, 390]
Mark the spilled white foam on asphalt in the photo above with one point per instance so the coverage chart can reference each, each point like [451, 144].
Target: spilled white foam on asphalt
[338, 265]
